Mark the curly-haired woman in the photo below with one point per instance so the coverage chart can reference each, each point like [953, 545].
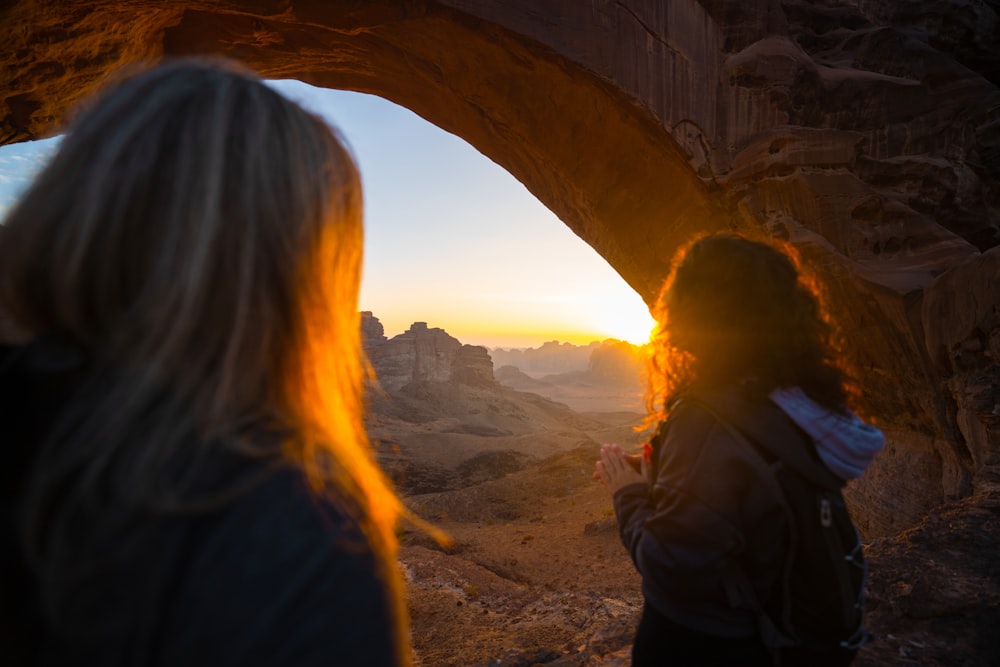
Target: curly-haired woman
[738, 326]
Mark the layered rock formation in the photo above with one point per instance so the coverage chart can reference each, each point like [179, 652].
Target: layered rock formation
[866, 132]
[372, 331]
[423, 354]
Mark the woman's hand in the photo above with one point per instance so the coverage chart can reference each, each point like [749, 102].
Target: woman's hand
[616, 469]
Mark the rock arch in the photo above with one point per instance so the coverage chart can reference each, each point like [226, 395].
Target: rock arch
[867, 133]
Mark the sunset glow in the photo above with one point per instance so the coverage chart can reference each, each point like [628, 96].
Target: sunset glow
[451, 238]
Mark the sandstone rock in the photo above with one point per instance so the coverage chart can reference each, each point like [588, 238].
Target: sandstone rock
[935, 589]
[961, 316]
[372, 331]
[424, 354]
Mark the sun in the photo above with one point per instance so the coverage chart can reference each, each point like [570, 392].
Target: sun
[625, 317]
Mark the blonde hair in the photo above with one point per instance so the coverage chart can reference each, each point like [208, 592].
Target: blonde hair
[201, 236]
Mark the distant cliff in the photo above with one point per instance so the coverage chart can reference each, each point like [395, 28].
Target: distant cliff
[617, 361]
[423, 354]
[609, 361]
[551, 357]
[604, 377]
[600, 377]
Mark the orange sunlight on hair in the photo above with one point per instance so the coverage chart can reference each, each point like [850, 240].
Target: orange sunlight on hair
[324, 389]
[666, 365]
[327, 379]
[328, 385]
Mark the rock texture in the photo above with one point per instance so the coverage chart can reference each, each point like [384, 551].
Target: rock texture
[865, 132]
[372, 331]
[423, 354]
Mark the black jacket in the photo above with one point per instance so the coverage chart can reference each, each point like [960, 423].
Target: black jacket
[274, 577]
[712, 507]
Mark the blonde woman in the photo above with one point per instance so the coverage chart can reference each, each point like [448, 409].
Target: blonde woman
[187, 480]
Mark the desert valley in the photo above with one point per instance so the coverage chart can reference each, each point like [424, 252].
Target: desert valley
[497, 448]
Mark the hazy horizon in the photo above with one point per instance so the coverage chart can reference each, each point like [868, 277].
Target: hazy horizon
[535, 346]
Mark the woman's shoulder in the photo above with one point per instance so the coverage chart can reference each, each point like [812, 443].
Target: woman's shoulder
[278, 576]
[687, 437]
[692, 418]
[698, 426]
[719, 407]
[278, 513]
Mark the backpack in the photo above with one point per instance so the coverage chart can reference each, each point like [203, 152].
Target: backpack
[820, 606]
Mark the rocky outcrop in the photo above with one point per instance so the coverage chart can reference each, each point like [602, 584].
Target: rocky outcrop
[865, 132]
[612, 361]
[961, 315]
[550, 357]
[423, 354]
[617, 362]
[612, 381]
[515, 378]
[372, 331]
[946, 610]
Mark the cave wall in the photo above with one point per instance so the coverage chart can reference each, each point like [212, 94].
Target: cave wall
[866, 132]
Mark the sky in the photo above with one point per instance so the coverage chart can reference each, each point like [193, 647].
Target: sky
[451, 238]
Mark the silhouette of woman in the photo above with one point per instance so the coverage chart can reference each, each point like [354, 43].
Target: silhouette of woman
[735, 321]
[187, 479]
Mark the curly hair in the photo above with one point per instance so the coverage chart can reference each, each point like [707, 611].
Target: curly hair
[734, 311]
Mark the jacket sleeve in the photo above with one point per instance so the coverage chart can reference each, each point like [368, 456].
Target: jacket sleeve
[687, 527]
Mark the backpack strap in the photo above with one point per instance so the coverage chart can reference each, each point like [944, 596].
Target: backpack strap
[741, 595]
[769, 433]
[769, 429]
[739, 589]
